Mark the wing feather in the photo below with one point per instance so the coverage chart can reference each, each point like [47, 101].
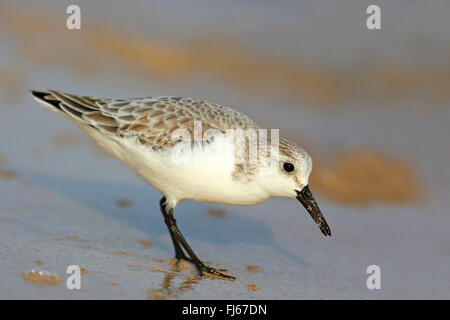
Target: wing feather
[151, 120]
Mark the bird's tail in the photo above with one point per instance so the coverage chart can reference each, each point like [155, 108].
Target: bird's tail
[46, 100]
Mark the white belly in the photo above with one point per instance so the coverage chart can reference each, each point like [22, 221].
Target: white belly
[206, 181]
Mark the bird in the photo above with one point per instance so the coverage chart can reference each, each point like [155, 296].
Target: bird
[144, 134]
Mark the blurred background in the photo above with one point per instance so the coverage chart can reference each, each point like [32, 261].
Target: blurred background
[371, 106]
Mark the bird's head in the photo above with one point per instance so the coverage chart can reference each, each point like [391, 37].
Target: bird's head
[291, 180]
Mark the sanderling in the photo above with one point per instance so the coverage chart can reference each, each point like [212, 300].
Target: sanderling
[142, 133]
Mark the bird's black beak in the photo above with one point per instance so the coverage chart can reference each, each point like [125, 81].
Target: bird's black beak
[308, 201]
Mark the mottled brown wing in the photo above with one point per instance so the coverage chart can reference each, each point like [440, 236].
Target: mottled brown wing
[151, 120]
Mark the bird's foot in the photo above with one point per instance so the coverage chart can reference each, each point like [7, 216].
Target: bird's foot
[202, 268]
[210, 271]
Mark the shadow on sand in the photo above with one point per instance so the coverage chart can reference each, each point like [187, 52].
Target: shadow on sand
[144, 213]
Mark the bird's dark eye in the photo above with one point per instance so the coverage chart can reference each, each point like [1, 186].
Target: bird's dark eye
[288, 167]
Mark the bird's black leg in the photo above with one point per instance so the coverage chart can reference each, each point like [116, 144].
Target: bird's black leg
[178, 239]
[168, 217]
